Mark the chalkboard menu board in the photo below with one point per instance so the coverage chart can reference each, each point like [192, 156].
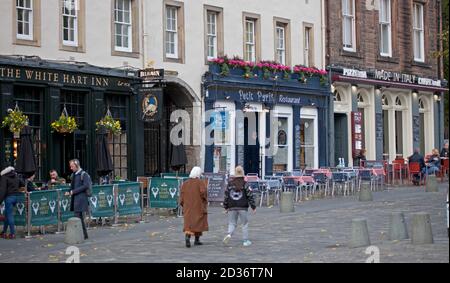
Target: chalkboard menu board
[216, 187]
[379, 126]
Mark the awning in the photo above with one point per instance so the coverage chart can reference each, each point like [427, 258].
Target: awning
[341, 78]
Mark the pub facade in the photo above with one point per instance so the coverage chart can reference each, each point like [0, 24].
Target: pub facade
[265, 125]
[42, 90]
[388, 87]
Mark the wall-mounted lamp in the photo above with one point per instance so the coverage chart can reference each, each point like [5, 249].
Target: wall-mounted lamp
[333, 88]
[415, 93]
[378, 90]
[437, 97]
[354, 88]
[15, 149]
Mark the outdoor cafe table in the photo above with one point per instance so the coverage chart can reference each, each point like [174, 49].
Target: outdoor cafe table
[327, 172]
[301, 180]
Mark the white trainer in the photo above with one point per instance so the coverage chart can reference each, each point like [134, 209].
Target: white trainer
[247, 243]
[226, 239]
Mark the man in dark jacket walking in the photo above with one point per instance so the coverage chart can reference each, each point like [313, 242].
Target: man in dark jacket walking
[238, 198]
[10, 185]
[417, 158]
[81, 182]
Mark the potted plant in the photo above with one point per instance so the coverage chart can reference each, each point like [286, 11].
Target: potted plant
[108, 122]
[15, 120]
[65, 124]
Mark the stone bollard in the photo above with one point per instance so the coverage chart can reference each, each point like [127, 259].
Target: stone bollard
[397, 227]
[432, 186]
[360, 233]
[74, 231]
[365, 194]
[421, 229]
[287, 202]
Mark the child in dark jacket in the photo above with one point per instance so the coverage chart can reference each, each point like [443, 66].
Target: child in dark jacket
[238, 198]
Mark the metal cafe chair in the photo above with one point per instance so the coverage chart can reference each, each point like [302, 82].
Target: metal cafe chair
[365, 175]
[254, 186]
[274, 187]
[321, 181]
[290, 184]
[352, 175]
[342, 179]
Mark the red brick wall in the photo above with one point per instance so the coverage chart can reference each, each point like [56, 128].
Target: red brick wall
[367, 37]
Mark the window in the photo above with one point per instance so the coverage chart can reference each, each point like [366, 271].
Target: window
[171, 32]
[212, 34]
[398, 101]
[250, 42]
[337, 96]
[307, 157]
[24, 19]
[213, 25]
[418, 28]
[75, 106]
[349, 33]
[70, 22]
[29, 100]
[118, 144]
[123, 25]
[280, 158]
[385, 28]
[384, 100]
[421, 105]
[360, 98]
[308, 52]
[281, 44]
[222, 141]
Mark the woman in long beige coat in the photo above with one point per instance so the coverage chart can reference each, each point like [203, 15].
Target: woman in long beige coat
[194, 200]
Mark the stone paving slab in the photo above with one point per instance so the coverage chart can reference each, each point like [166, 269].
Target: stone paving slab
[318, 231]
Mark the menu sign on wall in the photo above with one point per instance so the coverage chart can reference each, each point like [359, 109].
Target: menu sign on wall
[357, 133]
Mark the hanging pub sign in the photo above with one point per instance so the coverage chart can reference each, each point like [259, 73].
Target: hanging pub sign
[150, 104]
[357, 133]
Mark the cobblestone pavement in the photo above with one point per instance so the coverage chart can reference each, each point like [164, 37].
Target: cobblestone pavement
[318, 231]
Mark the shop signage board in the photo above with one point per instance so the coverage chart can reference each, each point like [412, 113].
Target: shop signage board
[357, 133]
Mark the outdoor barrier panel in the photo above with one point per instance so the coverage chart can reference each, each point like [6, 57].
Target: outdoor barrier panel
[20, 211]
[64, 205]
[174, 175]
[43, 208]
[129, 198]
[101, 203]
[164, 193]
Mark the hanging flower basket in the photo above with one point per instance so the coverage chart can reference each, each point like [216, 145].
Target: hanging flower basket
[15, 121]
[111, 125]
[65, 124]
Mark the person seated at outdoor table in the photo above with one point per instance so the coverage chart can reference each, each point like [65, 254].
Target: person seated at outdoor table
[55, 179]
[417, 158]
[433, 164]
[31, 187]
[444, 152]
[360, 157]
